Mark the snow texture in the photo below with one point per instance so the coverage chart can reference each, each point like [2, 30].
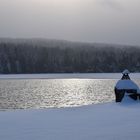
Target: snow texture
[126, 84]
[111, 121]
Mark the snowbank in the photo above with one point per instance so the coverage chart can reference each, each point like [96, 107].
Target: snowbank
[111, 121]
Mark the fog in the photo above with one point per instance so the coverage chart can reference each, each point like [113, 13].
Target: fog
[104, 21]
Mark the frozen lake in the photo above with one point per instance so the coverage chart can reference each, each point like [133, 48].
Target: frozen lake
[22, 93]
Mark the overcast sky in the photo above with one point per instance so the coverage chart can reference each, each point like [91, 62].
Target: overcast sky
[109, 21]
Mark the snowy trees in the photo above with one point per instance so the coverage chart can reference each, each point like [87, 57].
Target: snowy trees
[58, 56]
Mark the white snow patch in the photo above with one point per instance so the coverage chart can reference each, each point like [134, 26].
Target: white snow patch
[111, 121]
[126, 84]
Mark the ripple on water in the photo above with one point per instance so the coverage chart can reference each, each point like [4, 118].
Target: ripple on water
[47, 93]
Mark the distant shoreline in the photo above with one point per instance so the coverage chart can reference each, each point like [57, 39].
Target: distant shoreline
[68, 76]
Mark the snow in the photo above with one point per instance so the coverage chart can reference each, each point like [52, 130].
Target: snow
[126, 72]
[111, 121]
[67, 76]
[126, 84]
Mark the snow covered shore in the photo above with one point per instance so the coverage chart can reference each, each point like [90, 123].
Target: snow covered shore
[111, 121]
[68, 75]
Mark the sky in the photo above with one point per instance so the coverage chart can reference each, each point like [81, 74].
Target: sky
[103, 21]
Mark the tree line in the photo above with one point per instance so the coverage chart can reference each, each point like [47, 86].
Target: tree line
[66, 57]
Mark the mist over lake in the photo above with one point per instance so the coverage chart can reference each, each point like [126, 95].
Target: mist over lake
[69, 69]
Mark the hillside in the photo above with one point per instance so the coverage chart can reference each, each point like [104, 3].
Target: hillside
[56, 56]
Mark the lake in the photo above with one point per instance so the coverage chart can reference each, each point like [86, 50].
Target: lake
[55, 93]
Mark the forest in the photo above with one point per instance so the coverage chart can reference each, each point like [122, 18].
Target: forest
[54, 56]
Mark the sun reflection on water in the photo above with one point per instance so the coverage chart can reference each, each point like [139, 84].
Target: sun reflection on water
[16, 94]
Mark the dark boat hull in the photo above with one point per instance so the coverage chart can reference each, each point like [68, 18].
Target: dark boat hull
[120, 93]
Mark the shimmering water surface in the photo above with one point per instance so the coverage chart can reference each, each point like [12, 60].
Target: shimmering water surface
[47, 93]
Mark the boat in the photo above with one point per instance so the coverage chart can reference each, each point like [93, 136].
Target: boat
[126, 87]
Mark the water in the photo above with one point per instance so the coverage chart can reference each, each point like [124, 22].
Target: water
[23, 94]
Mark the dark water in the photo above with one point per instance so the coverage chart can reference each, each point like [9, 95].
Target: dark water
[18, 94]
